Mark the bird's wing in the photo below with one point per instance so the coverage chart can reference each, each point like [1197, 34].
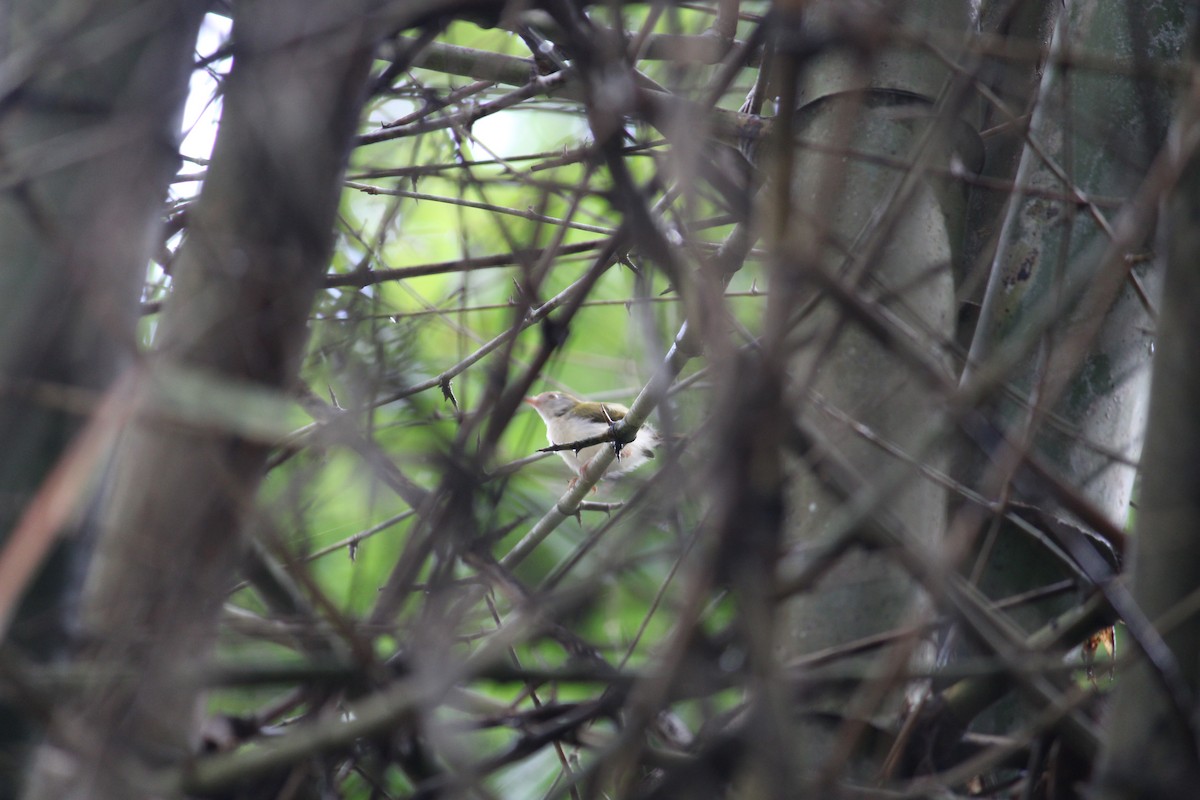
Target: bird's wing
[602, 412]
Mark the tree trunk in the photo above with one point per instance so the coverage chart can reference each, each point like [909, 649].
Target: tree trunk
[89, 140]
[1150, 753]
[1049, 248]
[1082, 417]
[258, 241]
[891, 237]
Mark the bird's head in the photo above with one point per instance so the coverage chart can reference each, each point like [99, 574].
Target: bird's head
[553, 405]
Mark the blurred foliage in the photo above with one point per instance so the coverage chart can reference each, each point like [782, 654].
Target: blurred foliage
[380, 544]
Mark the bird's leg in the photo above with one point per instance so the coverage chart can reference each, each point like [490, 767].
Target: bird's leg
[582, 470]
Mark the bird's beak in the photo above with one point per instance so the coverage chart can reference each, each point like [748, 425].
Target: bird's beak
[529, 400]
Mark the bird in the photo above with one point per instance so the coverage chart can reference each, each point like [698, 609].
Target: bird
[569, 419]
